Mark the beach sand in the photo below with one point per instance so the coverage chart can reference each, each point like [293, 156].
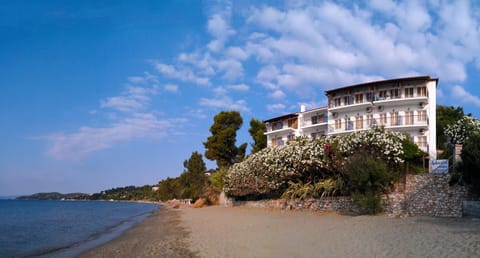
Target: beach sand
[159, 235]
[248, 232]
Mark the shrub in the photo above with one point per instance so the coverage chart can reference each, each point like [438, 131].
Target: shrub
[470, 165]
[368, 203]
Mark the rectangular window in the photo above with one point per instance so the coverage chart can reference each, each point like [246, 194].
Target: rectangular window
[347, 100]
[422, 115]
[313, 135]
[337, 102]
[408, 92]
[382, 95]
[409, 117]
[338, 123]
[383, 119]
[394, 119]
[421, 91]
[277, 125]
[359, 122]
[394, 93]
[422, 141]
[370, 96]
[358, 98]
[292, 123]
[314, 120]
[369, 120]
[290, 137]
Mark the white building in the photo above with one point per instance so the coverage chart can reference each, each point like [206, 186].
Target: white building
[404, 105]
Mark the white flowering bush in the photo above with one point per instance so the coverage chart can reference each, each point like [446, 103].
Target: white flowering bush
[458, 132]
[269, 170]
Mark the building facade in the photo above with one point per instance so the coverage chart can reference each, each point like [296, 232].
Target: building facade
[404, 105]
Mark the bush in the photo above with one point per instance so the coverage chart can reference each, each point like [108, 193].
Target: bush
[470, 166]
[368, 203]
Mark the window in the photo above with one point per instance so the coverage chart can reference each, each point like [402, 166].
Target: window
[292, 123]
[338, 123]
[394, 119]
[382, 95]
[394, 93]
[359, 122]
[337, 102]
[370, 96]
[277, 141]
[409, 117]
[422, 141]
[408, 92]
[347, 100]
[383, 119]
[290, 137]
[421, 91]
[313, 135]
[314, 120]
[369, 120]
[358, 98]
[277, 125]
[422, 115]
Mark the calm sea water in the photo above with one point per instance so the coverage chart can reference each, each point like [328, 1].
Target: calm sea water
[63, 228]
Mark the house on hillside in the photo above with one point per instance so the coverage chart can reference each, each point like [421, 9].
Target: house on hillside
[402, 104]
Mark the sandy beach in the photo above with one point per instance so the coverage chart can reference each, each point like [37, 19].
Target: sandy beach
[248, 232]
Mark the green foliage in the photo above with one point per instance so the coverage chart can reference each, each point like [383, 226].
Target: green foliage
[321, 189]
[446, 116]
[413, 157]
[257, 129]
[169, 189]
[365, 173]
[368, 203]
[127, 193]
[470, 165]
[193, 180]
[217, 180]
[221, 144]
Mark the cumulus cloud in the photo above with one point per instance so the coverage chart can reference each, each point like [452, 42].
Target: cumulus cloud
[225, 102]
[239, 87]
[133, 99]
[276, 108]
[184, 74]
[76, 145]
[465, 97]
[171, 88]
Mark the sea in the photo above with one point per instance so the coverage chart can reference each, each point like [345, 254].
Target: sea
[31, 228]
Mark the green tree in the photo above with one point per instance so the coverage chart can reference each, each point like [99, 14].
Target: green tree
[193, 180]
[446, 116]
[221, 144]
[257, 129]
[470, 165]
[169, 189]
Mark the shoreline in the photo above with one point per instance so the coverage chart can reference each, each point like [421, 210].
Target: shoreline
[158, 235]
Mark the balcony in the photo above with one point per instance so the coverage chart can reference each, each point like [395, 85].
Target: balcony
[378, 101]
[397, 123]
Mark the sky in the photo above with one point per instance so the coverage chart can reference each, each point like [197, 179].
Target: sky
[102, 94]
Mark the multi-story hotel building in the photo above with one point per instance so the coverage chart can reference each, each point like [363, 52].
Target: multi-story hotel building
[403, 104]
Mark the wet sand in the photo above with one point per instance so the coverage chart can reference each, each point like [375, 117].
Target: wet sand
[248, 232]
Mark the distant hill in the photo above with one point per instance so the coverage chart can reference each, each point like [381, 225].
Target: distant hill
[55, 196]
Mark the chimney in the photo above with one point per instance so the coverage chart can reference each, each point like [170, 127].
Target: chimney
[302, 108]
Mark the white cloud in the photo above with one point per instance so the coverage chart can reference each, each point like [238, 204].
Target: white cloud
[184, 74]
[276, 108]
[461, 95]
[73, 146]
[225, 102]
[133, 99]
[171, 88]
[277, 94]
[239, 87]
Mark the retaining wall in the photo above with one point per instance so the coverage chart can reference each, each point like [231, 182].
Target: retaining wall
[424, 195]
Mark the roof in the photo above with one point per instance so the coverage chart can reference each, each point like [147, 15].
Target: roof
[281, 117]
[415, 78]
[315, 109]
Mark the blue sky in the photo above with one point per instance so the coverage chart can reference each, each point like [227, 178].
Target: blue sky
[101, 94]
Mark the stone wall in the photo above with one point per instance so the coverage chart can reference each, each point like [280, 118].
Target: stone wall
[424, 195]
[431, 195]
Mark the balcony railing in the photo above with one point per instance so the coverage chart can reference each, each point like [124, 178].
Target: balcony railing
[352, 100]
[387, 121]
